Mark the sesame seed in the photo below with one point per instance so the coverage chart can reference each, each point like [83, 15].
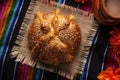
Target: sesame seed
[60, 41]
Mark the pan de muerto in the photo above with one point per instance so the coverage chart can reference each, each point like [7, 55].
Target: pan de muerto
[53, 38]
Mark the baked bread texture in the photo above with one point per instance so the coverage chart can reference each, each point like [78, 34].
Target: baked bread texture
[53, 38]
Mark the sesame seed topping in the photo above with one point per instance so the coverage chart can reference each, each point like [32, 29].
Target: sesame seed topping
[54, 35]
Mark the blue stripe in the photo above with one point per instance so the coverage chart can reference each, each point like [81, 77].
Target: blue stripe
[61, 1]
[41, 74]
[105, 53]
[9, 31]
[84, 75]
[38, 74]
[16, 64]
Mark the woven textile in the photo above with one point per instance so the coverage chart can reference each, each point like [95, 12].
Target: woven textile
[88, 29]
[12, 14]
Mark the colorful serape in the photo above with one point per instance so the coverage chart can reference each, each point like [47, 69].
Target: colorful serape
[12, 13]
[88, 29]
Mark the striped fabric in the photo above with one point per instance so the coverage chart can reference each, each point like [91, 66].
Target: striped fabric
[12, 13]
[99, 56]
[9, 13]
[86, 6]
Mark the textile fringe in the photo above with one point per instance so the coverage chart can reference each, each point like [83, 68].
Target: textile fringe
[87, 46]
[78, 64]
[91, 34]
[66, 7]
[21, 34]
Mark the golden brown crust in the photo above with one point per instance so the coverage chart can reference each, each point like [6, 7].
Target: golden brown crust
[53, 38]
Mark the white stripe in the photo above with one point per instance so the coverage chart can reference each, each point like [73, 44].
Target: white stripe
[91, 54]
[10, 39]
[64, 2]
[104, 56]
[78, 6]
[23, 19]
[42, 75]
[14, 71]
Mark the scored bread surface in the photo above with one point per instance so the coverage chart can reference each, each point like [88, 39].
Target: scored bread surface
[53, 38]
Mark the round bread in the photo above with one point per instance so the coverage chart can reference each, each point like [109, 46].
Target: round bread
[53, 38]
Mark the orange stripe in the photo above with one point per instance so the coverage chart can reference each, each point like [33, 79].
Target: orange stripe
[30, 73]
[5, 16]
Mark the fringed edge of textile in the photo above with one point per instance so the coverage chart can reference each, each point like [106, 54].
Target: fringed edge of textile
[70, 8]
[87, 46]
[91, 34]
[26, 60]
[86, 49]
[21, 34]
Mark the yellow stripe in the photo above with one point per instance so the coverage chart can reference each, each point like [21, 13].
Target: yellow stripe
[5, 16]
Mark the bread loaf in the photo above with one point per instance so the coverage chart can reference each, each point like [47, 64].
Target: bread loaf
[53, 38]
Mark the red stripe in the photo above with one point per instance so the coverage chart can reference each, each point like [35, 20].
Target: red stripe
[2, 11]
[19, 71]
[4, 16]
[112, 60]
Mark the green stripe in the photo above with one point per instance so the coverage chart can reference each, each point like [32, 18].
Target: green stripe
[56, 0]
[7, 22]
[34, 74]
